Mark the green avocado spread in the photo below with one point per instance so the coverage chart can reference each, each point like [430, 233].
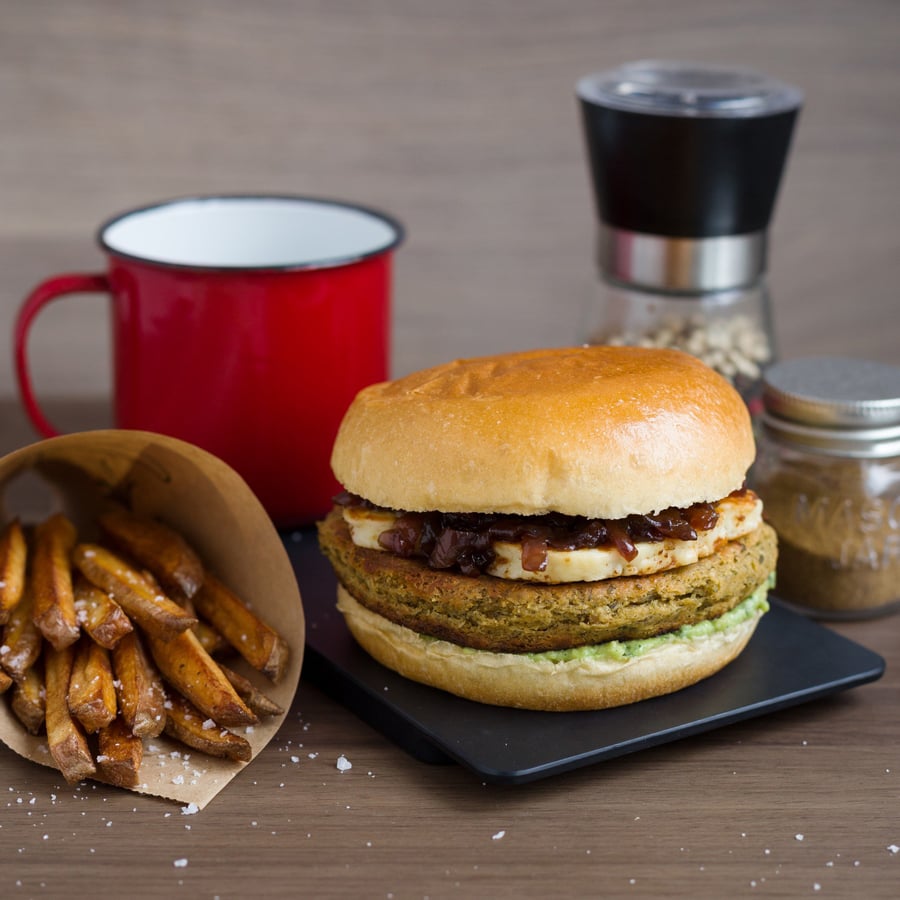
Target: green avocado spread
[613, 651]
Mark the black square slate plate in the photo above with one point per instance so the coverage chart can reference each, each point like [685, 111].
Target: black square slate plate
[789, 660]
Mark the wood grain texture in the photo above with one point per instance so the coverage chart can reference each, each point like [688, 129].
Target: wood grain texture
[460, 119]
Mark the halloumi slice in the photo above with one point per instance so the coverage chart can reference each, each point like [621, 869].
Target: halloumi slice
[738, 516]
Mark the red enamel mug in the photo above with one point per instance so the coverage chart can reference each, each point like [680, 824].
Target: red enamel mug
[244, 325]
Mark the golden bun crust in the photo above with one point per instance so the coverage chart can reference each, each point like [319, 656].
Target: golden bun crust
[517, 680]
[602, 432]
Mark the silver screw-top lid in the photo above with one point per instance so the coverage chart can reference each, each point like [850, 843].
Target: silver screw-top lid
[836, 405]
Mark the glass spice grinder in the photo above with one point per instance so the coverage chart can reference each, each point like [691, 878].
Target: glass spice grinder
[686, 162]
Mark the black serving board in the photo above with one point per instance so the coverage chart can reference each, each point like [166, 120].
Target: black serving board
[790, 660]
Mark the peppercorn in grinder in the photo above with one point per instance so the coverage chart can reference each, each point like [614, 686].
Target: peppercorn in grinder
[686, 162]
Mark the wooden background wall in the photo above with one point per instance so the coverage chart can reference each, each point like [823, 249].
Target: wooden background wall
[457, 116]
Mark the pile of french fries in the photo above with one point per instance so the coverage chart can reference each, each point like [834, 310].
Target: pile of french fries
[106, 644]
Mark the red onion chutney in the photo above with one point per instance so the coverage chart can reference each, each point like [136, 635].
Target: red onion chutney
[446, 540]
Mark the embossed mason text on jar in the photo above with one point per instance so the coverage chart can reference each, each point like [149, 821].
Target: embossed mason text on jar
[870, 535]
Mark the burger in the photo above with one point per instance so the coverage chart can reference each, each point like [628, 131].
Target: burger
[559, 529]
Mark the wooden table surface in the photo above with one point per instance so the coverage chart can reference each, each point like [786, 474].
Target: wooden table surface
[801, 802]
[460, 119]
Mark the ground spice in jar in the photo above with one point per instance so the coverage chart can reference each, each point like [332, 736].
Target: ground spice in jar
[828, 471]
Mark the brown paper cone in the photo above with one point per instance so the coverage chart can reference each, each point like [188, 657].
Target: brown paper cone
[215, 510]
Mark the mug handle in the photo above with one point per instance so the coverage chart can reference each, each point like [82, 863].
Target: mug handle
[47, 291]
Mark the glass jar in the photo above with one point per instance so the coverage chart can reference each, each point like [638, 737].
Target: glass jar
[731, 330]
[828, 472]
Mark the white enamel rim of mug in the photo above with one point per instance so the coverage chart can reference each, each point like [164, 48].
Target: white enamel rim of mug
[257, 231]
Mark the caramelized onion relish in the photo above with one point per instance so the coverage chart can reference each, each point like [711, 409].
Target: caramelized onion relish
[465, 540]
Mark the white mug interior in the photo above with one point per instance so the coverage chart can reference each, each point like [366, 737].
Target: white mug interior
[250, 232]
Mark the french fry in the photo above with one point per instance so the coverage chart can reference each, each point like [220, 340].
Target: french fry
[187, 724]
[139, 687]
[192, 671]
[51, 580]
[92, 694]
[119, 754]
[21, 639]
[68, 745]
[158, 548]
[13, 555]
[100, 616]
[259, 644]
[152, 610]
[120, 646]
[28, 700]
[210, 639]
[251, 694]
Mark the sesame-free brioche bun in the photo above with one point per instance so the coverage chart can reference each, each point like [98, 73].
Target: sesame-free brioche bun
[531, 682]
[602, 432]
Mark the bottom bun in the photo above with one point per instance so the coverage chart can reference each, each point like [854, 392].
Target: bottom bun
[542, 682]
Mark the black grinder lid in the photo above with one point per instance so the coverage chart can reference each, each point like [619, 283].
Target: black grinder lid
[686, 150]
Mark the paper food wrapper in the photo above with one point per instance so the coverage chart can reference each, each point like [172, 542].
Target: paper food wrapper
[217, 513]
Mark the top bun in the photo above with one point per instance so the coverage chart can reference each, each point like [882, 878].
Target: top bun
[602, 432]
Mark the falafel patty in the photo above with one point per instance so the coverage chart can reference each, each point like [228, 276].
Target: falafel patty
[496, 614]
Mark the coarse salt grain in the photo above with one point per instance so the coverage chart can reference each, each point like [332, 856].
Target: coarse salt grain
[180, 863]
[190, 810]
[208, 725]
[498, 836]
[343, 764]
[893, 848]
